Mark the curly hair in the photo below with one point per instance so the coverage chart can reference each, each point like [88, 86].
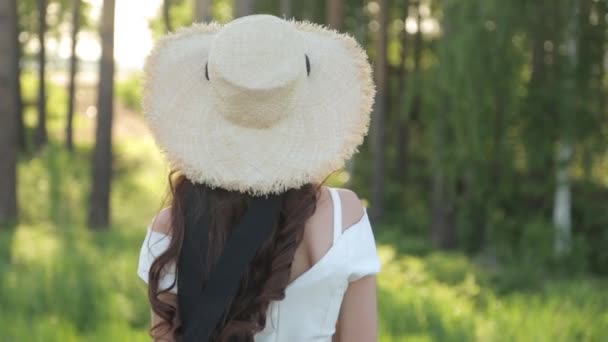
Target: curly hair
[269, 272]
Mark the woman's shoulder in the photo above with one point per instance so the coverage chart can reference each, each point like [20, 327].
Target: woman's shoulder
[161, 223]
[352, 208]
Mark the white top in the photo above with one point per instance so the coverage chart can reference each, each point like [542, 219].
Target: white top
[310, 309]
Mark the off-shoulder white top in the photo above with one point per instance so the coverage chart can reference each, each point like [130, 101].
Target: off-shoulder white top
[311, 306]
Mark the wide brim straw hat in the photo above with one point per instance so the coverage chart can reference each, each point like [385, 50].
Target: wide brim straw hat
[259, 105]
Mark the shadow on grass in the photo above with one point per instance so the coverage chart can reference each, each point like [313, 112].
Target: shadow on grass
[71, 283]
[70, 287]
[7, 233]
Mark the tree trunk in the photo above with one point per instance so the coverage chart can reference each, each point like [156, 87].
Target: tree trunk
[202, 10]
[243, 8]
[416, 98]
[18, 98]
[167, 15]
[41, 134]
[443, 232]
[402, 125]
[9, 66]
[286, 8]
[538, 103]
[562, 207]
[378, 129]
[73, 69]
[562, 200]
[335, 13]
[443, 228]
[99, 213]
[603, 26]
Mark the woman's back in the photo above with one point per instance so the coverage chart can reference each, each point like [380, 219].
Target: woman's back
[329, 271]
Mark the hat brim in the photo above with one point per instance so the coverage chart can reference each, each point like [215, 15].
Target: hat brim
[329, 120]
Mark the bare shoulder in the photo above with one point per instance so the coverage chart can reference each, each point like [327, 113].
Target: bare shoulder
[162, 221]
[352, 207]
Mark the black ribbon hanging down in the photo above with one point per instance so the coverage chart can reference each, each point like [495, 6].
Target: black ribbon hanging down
[204, 308]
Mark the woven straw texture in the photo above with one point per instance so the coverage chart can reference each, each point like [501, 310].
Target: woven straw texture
[257, 130]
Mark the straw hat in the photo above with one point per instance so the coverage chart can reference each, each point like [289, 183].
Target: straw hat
[259, 105]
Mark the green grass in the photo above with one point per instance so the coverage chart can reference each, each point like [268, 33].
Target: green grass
[446, 297]
[129, 91]
[69, 283]
[61, 282]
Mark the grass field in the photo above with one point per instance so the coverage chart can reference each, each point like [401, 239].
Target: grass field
[61, 282]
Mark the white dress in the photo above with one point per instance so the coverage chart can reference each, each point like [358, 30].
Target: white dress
[311, 306]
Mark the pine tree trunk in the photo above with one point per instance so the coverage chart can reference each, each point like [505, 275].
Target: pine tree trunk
[41, 134]
[167, 15]
[18, 98]
[443, 232]
[99, 213]
[603, 26]
[378, 124]
[73, 70]
[562, 200]
[202, 10]
[443, 228]
[243, 8]
[416, 98]
[335, 13]
[562, 207]
[9, 66]
[402, 125]
[285, 8]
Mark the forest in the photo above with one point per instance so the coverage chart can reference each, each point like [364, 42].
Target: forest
[485, 171]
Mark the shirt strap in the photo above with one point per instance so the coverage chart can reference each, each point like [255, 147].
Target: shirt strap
[335, 197]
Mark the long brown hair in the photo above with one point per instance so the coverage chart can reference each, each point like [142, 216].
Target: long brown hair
[270, 267]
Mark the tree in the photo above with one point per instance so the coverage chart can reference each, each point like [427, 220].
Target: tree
[243, 8]
[562, 207]
[402, 125]
[335, 13]
[9, 65]
[378, 123]
[72, 78]
[562, 198]
[18, 97]
[99, 212]
[285, 8]
[167, 15]
[41, 134]
[202, 10]
[442, 227]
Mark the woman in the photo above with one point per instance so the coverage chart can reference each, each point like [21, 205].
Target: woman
[252, 117]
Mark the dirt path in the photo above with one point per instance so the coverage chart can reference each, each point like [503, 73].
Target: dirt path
[127, 123]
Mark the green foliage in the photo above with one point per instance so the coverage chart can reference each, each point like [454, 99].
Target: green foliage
[70, 283]
[445, 297]
[129, 91]
[501, 85]
[57, 276]
[59, 12]
[55, 104]
[181, 13]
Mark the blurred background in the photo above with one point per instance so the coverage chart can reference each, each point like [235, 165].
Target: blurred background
[485, 171]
